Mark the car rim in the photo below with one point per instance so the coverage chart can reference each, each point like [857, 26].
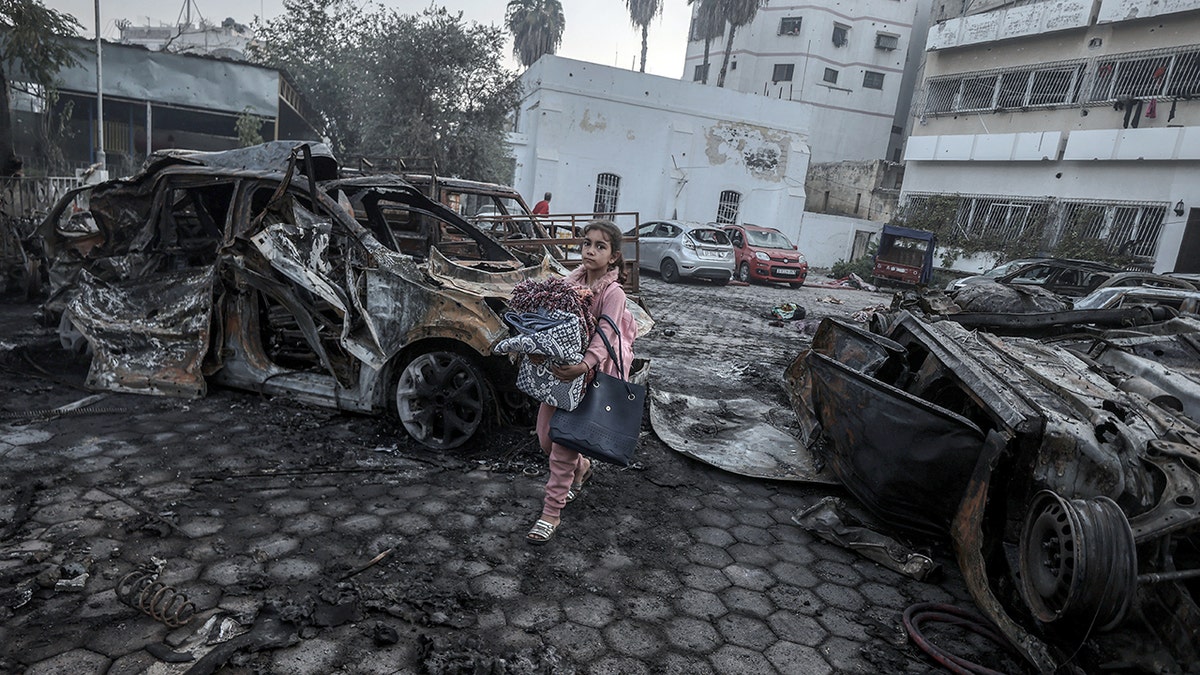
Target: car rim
[440, 399]
[1078, 560]
[744, 272]
[669, 272]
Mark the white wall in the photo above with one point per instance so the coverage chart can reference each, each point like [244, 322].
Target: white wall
[854, 121]
[675, 145]
[826, 239]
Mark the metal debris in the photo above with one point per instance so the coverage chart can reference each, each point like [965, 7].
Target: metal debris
[830, 520]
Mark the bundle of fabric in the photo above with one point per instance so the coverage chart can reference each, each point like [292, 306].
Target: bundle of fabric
[552, 320]
[553, 294]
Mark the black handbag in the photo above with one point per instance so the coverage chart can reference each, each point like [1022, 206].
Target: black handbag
[607, 423]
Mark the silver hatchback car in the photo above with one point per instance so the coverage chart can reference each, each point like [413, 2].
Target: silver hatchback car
[677, 249]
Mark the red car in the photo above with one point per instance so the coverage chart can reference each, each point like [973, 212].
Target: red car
[765, 254]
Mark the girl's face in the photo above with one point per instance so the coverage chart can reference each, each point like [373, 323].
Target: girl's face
[597, 251]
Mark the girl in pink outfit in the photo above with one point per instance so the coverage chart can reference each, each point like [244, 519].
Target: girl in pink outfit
[602, 271]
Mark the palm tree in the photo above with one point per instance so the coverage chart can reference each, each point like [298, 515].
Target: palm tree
[738, 13]
[641, 12]
[537, 28]
[708, 25]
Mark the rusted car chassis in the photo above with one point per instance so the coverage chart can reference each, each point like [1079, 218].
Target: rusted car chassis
[259, 269]
[1070, 496]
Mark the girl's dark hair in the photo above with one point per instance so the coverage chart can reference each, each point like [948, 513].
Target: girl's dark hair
[610, 230]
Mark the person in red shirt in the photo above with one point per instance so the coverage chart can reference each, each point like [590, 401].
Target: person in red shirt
[542, 208]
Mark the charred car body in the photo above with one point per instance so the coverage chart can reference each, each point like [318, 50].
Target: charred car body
[261, 269]
[1067, 479]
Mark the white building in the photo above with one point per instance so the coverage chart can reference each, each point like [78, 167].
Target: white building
[602, 139]
[1078, 117]
[854, 62]
[229, 39]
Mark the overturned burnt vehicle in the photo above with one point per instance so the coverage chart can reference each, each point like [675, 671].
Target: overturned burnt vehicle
[1067, 480]
[259, 268]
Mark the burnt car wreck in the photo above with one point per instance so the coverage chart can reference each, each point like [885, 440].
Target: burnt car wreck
[1066, 472]
[261, 269]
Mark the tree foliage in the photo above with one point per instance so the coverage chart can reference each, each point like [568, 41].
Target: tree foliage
[537, 27]
[641, 13]
[32, 50]
[709, 24]
[388, 84]
[737, 13]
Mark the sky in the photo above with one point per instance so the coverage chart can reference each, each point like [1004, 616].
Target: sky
[597, 30]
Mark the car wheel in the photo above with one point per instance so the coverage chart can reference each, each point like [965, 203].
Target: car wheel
[795, 284]
[669, 271]
[744, 273]
[441, 399]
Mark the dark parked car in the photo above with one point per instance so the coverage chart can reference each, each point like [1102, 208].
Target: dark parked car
[992, 274]
[259, 268]
[1076, 278]
[766, 254]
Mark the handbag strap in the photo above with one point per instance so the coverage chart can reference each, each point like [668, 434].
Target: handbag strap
[614, 355]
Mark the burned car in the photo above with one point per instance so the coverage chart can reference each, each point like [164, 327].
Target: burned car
[1067, 483]
[260, 269]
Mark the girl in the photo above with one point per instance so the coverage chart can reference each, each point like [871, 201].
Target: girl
[603, 272]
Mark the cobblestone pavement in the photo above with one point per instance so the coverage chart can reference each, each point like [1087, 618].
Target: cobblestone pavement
[267, 510]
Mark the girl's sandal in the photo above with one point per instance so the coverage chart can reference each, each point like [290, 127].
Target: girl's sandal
[541, 532]
[577, 488]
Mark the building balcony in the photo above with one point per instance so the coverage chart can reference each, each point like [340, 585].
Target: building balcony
[1014, 22]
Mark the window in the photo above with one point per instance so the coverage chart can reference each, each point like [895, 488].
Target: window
[886, 41]
[1172, 72]
[789, 25]
[873, 80]
[897, 130]
[727, 208]
[701, 73]
[830, 76]
[608, 186]
[1047, 85]
[841, 34]
[733, 65]
[783, 72]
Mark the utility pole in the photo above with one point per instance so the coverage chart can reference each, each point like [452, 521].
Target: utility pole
[100, 158]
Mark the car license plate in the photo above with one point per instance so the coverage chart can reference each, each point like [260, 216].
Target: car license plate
[785, 272]
[710, 255]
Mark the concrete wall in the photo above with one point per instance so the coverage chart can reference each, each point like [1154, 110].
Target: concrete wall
[868, 190]
[675, 145]
[855, 122]
[826, 239]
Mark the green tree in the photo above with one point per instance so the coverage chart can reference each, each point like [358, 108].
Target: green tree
[737, 13]
[428, 85]
[641, 13]
[248, 127]
[31, 48]
[537, 28]
[708, 25]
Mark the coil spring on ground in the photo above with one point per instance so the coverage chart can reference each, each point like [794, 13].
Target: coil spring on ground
[141, 590]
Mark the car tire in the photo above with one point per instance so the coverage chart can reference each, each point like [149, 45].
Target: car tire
[669, 271]
[442, 399]
[795, 284]
[744, 273]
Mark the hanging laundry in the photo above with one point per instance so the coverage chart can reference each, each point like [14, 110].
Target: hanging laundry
[1171, 115]
[1137, 114]
[1152, 109]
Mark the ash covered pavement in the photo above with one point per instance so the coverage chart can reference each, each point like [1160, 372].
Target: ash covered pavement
[311, 541]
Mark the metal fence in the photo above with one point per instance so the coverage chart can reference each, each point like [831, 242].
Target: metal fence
[32, 197]
[1125, 227]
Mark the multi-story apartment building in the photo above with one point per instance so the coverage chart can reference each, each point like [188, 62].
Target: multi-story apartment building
[1077, 118]
[853, 63]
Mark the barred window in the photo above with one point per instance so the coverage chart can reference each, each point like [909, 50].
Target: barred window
[783, 72]
[1048, 84]
[873, 80]
[1129, 228]
[831, 76]
[1168, 72]
[608, 186]
[841, 35]
[727, 208]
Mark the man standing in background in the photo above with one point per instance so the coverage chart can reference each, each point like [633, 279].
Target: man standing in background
[542, 208]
